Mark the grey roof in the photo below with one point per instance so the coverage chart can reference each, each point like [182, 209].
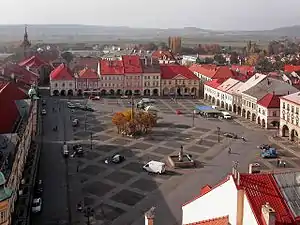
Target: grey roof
[270, 85]
[289, 186]
[8, 143]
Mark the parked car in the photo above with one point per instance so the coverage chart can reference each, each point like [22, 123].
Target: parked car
[148, 100]
[71, 106]
[87, 108]
[38, 189]
[65, 150]
[269, 153]
[155, 167]
[96, 98]
[264, 147]
[226, 115]
[116, 159]
[36, 205]
[124, 96]
[78, 148]
[231, 135]
[44, 112]
[75, 122]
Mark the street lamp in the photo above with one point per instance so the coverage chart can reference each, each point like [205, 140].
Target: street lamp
[194, 112]
[88, 213]
[218, 129]
[91, 140]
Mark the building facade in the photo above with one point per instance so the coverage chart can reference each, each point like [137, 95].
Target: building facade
[62, 81]
[175, 44]
[289, 116]
[177, 80]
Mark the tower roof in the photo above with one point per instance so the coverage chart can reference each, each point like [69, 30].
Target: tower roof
[26, 43]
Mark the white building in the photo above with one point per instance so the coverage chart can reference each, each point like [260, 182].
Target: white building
[62, 81]
[289, 116]
[245, 199]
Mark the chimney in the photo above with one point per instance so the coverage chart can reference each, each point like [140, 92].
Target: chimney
[240, 207]
[149, 216]
[268, 213]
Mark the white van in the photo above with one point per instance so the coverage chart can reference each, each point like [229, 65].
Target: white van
[65, 150]
[155, 167]
[226, 115]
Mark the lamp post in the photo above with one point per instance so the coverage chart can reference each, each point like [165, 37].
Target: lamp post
[91, 140]
[194, 112]
[218, 129]
[132, 107]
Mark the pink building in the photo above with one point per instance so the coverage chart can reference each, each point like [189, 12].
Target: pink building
[87, 81]
[133, 75]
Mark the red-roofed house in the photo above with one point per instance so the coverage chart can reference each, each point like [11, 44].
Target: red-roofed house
[215, 221]
[133, 82]
[9, 114]
[178, 80]
[245, 70]
[62, 81]
[256, 199]
[268, 111]
[163, 57]
[111, 73]
[209, 72]
[291, 68]
[38, 66]
[87, 81]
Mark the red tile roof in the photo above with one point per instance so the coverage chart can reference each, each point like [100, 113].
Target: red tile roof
[9, 113]
[246, 70]
[212, 71]
[215, 221]
[270, 100]
[260, 189]
[109, 67]
[62, 72]
[88, 73]
[163, 54]
[33, 62]
[20, 73]
[205, 190]
[132, 64]
[291, 68]
[215, 83]
[170, 71]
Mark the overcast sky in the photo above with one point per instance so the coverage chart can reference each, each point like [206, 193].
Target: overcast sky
[211, 14]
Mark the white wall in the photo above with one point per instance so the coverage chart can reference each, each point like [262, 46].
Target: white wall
[221, 201]
[249, 218]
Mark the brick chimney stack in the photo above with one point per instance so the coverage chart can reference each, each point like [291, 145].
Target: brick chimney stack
[149, 216]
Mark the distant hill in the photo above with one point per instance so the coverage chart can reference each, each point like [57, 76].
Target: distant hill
[86, 33]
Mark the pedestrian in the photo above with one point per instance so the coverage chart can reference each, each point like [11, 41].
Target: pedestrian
[77, 168]
[229, 150]
[284, 164]
[278, 162]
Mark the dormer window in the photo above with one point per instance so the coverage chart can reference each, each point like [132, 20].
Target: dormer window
[63, 84]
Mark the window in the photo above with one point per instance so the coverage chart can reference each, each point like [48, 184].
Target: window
[283, 105]
[259, 110]
[2, 216]
[63, 84]
[55, 85]
[292, 109]
[70, 84]
[297, 110]
[287, 107]
[274, 113]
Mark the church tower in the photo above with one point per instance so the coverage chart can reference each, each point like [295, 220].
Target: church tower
[26, 43]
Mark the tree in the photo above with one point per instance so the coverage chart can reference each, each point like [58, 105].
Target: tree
[252, 60]
[127, 114]
[234, 58]
[119, 120]
[68, 56]
[220, 59]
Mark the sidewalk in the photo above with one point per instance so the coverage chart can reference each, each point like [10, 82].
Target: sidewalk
[286, 145]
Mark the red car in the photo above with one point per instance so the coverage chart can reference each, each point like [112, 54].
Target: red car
[178, 112]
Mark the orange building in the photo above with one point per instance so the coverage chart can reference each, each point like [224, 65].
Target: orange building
[175, 44]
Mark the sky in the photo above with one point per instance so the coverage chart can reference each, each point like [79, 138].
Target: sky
[206, 14]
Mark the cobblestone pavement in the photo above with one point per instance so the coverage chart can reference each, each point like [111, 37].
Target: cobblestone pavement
[121, 193]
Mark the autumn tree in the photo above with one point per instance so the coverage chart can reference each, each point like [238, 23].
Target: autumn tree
[68, 56]
[119, 120]
[252, 59]
[127, 114]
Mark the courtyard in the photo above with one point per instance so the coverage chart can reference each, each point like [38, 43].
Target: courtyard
[121, 193]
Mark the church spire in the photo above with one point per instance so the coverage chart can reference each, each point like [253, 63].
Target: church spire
[26, 43]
